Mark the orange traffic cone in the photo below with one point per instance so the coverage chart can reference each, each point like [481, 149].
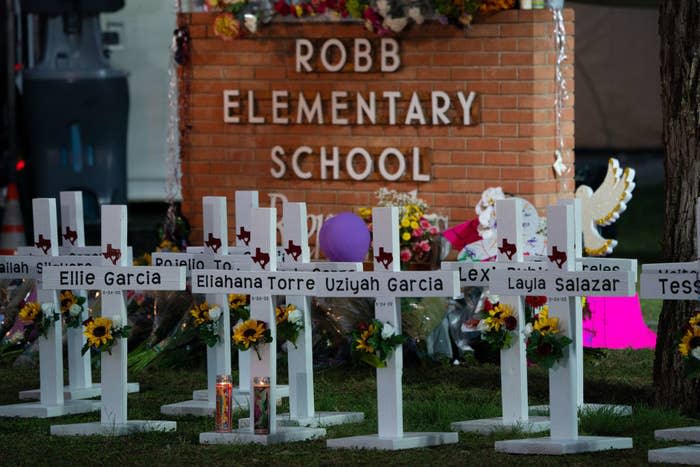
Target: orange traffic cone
[12, 230]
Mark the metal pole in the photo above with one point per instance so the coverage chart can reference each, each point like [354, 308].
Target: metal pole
[10, 72]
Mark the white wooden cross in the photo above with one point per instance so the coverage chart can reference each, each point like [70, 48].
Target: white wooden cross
[386, 286]
[72, 237]
[51, 400]
[112, 279]
[219, 356]
[514, 398]
[563, 286]
[295, 241]
[675, 281]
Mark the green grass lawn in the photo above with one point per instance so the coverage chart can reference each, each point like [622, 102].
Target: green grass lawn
[434, 396]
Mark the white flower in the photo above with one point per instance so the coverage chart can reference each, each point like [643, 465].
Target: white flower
[383, 7]
[214, 313]
[75, 309]
[695, 353]
[47, 308]
[486, 210]
[294, 316]
[388, 331]
[250, 22]
[117, 321]
[482, 326]
[493, 298]
[16, 337]
[395, 24]
[527, 331]
[415, 14]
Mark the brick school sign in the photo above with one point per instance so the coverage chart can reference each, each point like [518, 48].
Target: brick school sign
[326, 113]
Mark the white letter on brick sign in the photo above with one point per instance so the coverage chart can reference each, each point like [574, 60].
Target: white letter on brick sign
[390, 50]
[417, 176]
[231, 104]
[298, 154]
[466, 106]
[440, 109]
[341, 50]
[401, 162]
[305, 112]
[252, 118]
[279, 104]
[415, 111]
[338, 103]
[367, 108]
[304, 52]
[333, 162]
[278, 151]
[349, 164]
[391, 96]
[363, 55]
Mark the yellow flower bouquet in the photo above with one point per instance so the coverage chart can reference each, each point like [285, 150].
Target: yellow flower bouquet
[72, 307]
[374, 342]
[544, 340]
[101, 333]
[289, 323]
[239, 307]
[689, 347]
[251, 333]
[496, 323]
[38, 317]
[206, 319]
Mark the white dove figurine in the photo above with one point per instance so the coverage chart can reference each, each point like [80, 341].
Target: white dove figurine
[604, 206]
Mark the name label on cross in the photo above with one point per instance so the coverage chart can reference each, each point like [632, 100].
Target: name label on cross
[31, 267]
[673, 285]
[340, 284]
[562, 284]
[114, 278]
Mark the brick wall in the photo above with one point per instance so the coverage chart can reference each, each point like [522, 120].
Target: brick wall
[507, 59]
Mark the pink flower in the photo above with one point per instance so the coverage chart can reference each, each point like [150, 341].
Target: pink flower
[424, 223]
[425, 245]
[405, 255]
[417, 233]
[433, 230]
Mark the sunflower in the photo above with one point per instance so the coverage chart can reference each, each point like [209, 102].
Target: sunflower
[236, 300]
[498, 316]
[67, 300]
[249, 333]
[362, 343]
[695, 320]
[98, 331]
[282, 312]
[30, 312]
[200, 313]
[690, 340]
[544, 324]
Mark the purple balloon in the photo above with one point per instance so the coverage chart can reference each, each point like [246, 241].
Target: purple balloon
[344, 237]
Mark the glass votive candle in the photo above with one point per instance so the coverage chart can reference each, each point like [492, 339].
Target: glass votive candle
[223, 420]
[261, 405]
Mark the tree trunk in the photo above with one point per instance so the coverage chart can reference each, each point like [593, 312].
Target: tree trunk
[679, 27]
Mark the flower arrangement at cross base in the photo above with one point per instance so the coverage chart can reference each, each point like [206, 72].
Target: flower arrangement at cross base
[533, 304]
[417, 232]
[374, 342]
[38, 317]
[251, 333]
[689, 347]
[496, 322]
[545, 342]
[289, 323]
[239, 307]
[72, 307]
[102, 332]
[206, 320]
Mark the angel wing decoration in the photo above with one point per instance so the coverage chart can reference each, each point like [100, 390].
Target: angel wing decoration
[604, 206]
